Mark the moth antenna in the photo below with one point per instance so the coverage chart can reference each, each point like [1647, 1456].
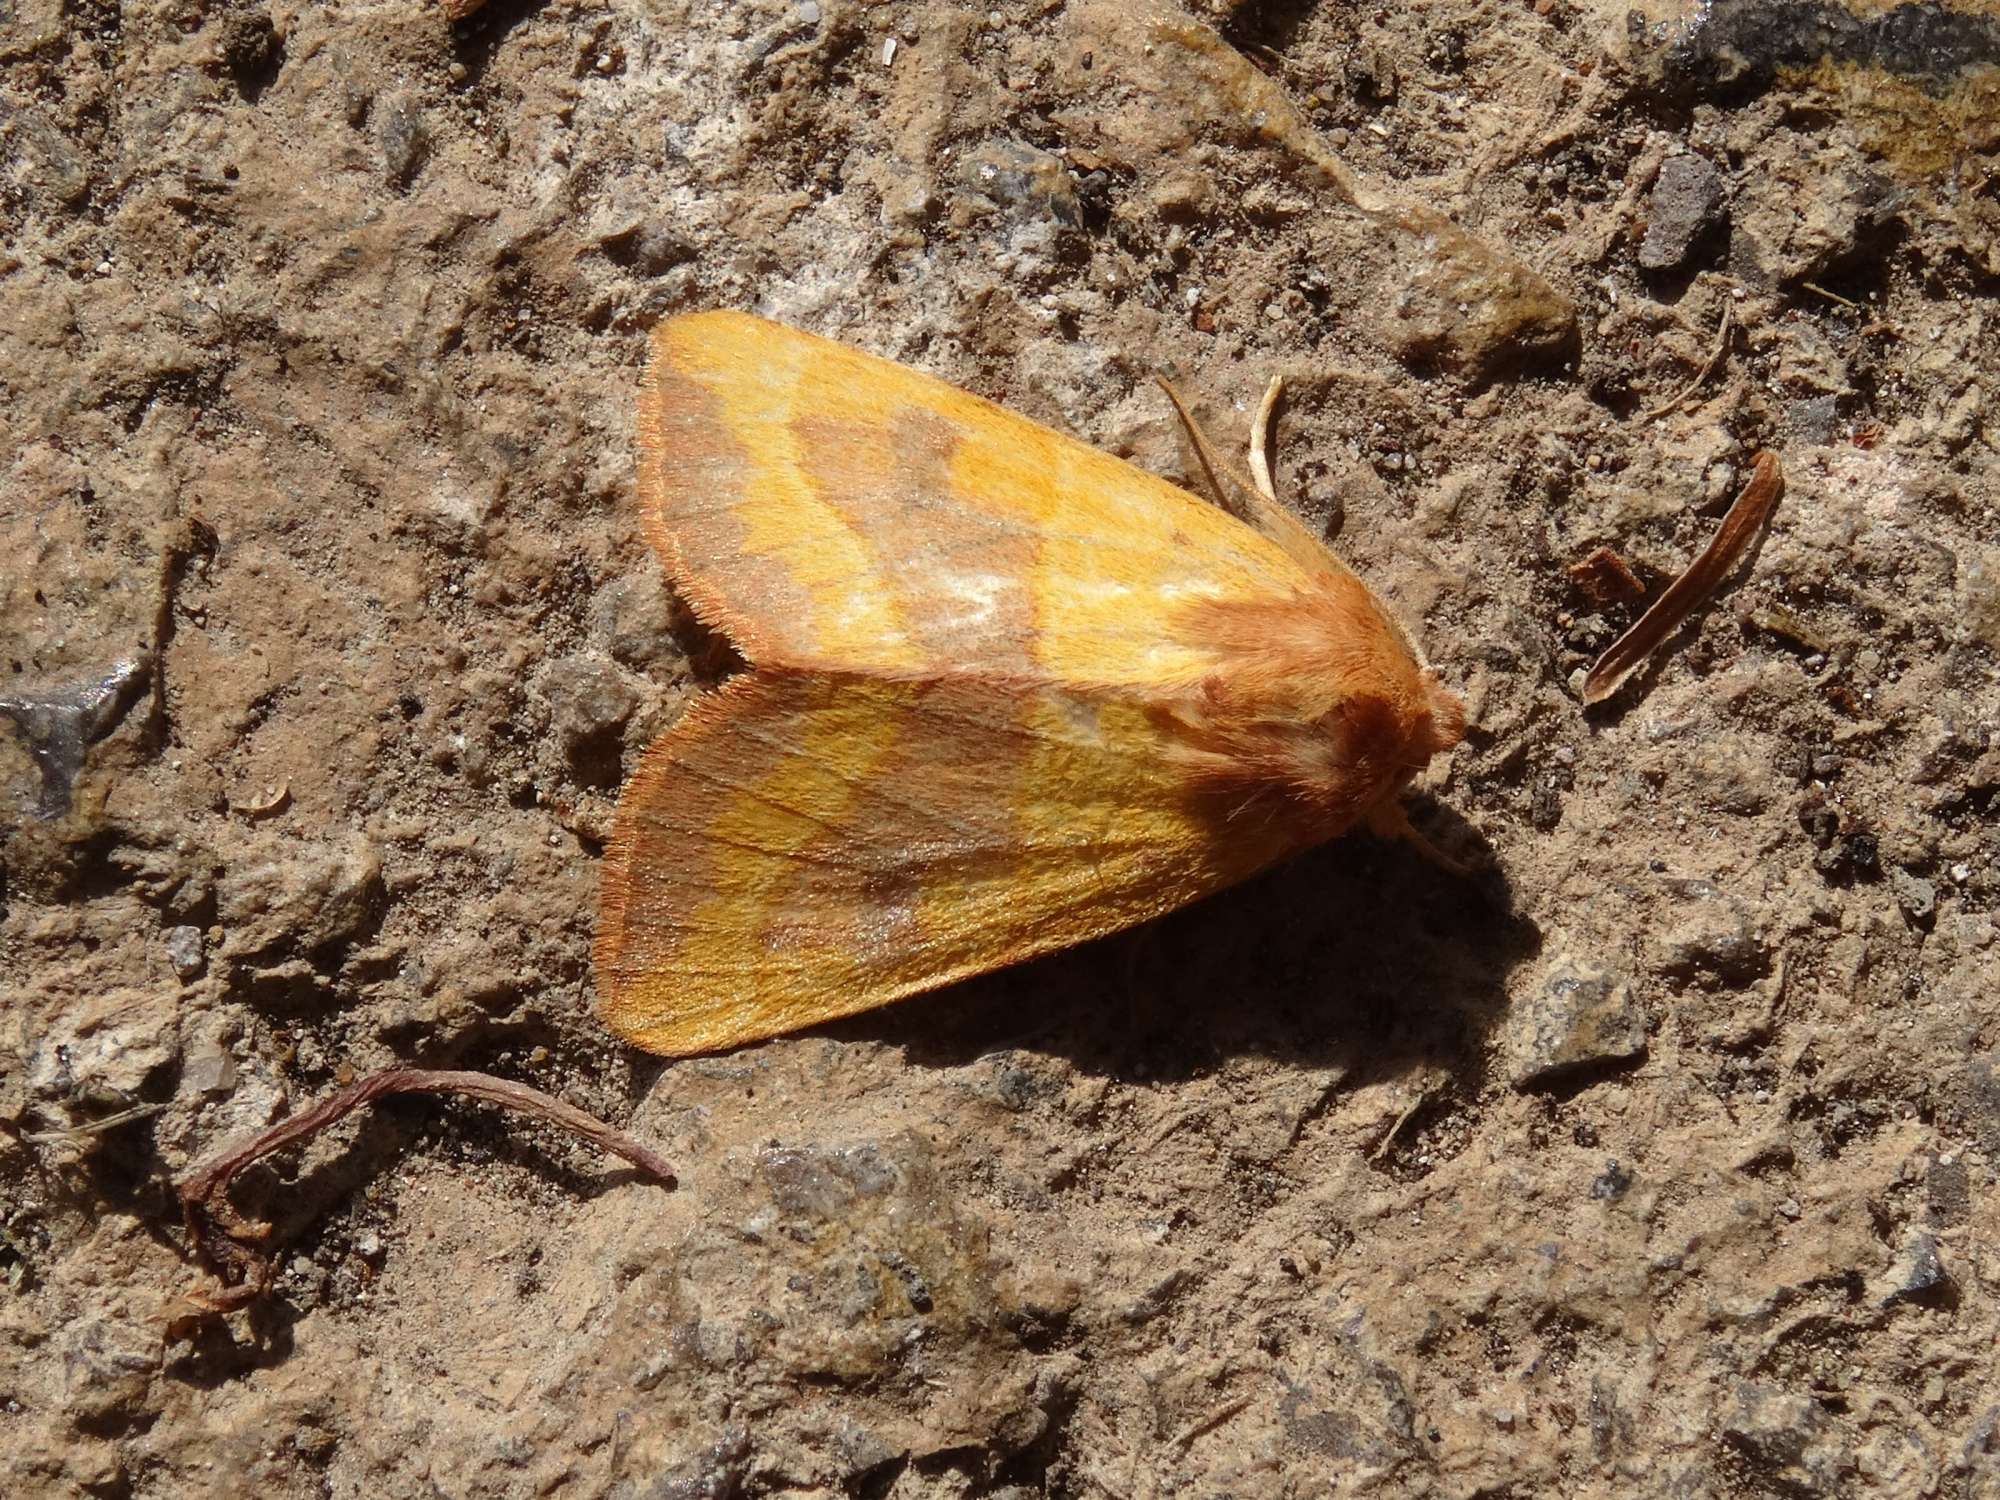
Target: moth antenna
[1241, 497]
[1204, 452]
[1260, 434]
[1256, 501]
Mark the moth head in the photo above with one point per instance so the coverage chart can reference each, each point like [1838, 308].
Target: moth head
[1322, 700]
[1443, 719]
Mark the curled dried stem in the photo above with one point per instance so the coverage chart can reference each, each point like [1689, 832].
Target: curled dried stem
[1673, 402]
[233, 1247]
[1745, 519]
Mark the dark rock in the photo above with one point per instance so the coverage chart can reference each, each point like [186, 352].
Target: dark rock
[716, 1473]
[1613, 1183]
[1811, 420]
[60, 724]
[1948, 1185]
[403, 137]
[1688, 201]
[1979, 1456]
[1787, 1435]
[1918, 1274]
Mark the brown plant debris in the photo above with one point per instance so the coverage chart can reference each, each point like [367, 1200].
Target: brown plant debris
[1674, 402]
[1606, 578]
[1745, 519]
[232, 1247]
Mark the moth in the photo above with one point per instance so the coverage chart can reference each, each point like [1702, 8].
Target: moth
[1004, 692]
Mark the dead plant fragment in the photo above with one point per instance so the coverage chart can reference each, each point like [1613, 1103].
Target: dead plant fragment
[1684, 595]
[1606, 578]
[234, 1249]
[1674, 402]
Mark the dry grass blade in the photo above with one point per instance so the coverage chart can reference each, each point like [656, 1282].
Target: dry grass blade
[1673, 402]
[230, 1246]
[93, 1127]
[1746, 517]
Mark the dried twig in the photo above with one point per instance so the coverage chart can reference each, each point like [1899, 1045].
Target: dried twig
[93, 1127]
[1700, 376]
[1422, 1097]
[1832, 296]
[1746, 517]
[231, 1246]
[1202, 1426]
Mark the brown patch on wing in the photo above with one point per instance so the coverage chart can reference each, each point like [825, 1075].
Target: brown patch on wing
[960, 567]
[691, 472]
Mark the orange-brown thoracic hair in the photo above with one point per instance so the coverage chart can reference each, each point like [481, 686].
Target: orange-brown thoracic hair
[1320, 702]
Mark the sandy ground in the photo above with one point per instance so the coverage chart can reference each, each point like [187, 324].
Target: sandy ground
[1657, 1158]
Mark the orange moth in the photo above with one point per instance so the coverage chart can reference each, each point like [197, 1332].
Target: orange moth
[1004, 692]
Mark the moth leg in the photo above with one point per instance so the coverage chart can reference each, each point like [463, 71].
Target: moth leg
[1388, 819]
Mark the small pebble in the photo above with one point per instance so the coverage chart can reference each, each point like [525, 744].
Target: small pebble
[1713, 936]
[208, 1068]
[185, 951]
[1613, 1183]
[1918, 1274]
[1579, 1016]
[1687, 200]
[1916, 895]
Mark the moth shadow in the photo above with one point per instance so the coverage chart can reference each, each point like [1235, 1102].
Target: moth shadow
[1362, 954]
